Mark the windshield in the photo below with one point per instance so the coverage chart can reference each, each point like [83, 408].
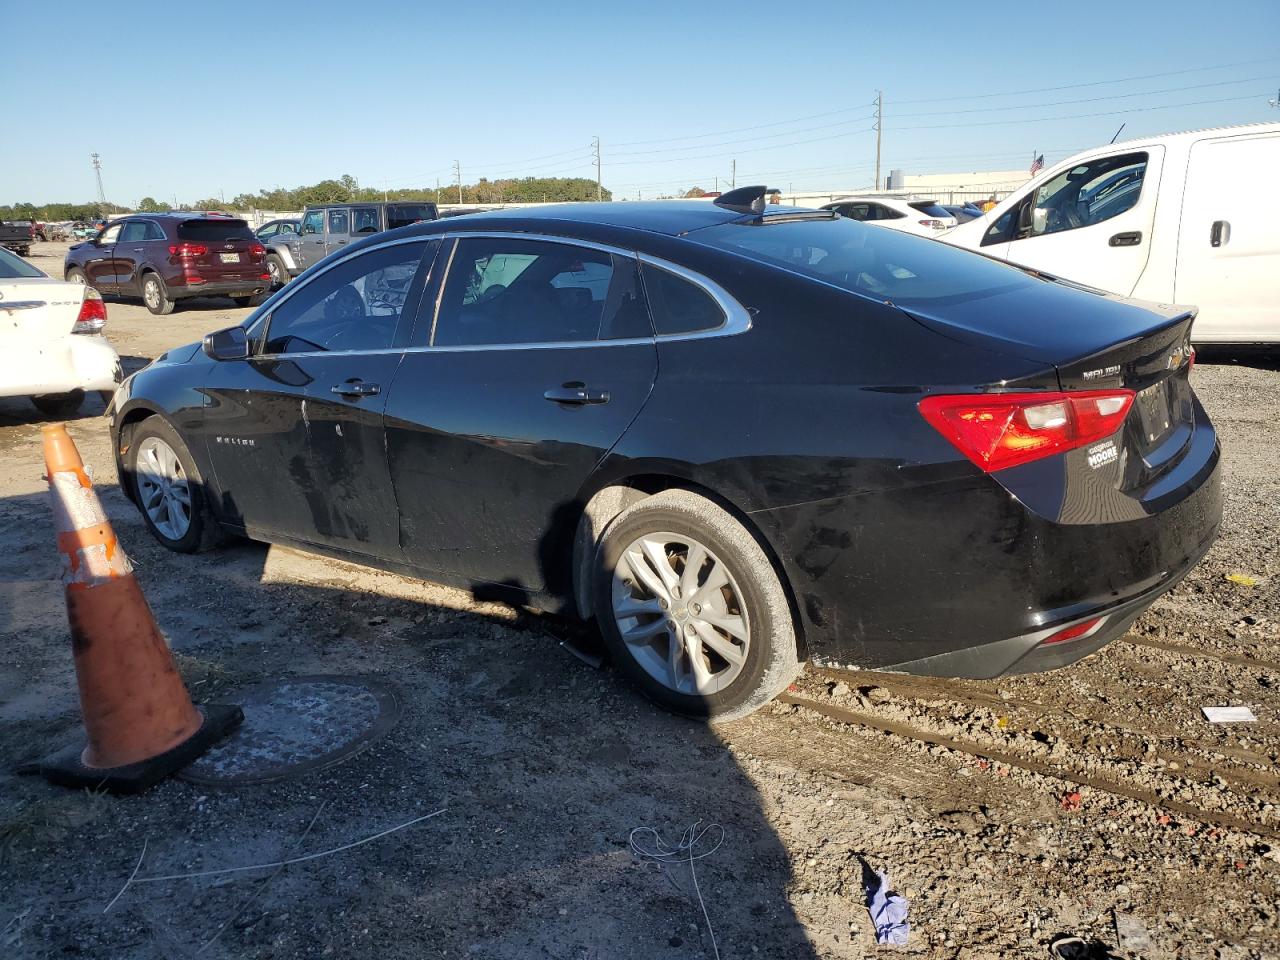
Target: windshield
[13, 266]
[879, 263]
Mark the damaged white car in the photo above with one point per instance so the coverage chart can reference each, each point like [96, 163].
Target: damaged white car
[51, 344]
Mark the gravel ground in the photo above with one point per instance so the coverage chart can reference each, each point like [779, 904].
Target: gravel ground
[1094, 800]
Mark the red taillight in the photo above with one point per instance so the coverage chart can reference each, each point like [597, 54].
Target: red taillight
[264, 276]
[1191, 359]
[1001, 430]
[1073, 632]
[93, 313]
[257, 250]
[184, 250]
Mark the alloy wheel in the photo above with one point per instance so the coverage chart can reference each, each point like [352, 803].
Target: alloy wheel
[151, 293]
[163, 488]
[680, 613]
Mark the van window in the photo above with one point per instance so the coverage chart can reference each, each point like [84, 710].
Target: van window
[1088, 193]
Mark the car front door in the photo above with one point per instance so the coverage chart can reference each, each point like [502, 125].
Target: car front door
[308, 249]
[295, 432]
[1092, 222]
[337, 229]
[132, 250]
[100, 264]
[538, 355]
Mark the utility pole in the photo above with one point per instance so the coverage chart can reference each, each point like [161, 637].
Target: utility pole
[717, 183]
[97, 171]
[879, 125]
[457, 175]
[733, 178]
[595, 145]
[437, 189]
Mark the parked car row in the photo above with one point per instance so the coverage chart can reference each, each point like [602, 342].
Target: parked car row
[923, 217]
[727, 432]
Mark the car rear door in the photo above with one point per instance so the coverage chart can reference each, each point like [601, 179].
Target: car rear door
[1229, 240]
[535, 358]
[295, 432]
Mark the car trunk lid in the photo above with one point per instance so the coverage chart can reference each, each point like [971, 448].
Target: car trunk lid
[36, 312]
[218, 250]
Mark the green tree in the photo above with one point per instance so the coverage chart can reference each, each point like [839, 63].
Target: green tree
[150, 205]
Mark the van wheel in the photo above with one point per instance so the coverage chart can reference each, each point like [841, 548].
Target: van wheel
[168, 489]
[59, 405]
[155, 296]
[692, 608]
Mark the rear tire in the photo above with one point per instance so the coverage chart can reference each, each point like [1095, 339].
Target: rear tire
[168, 489]
[59, 405]
[719, 649]
[76, 275]
[154, 296]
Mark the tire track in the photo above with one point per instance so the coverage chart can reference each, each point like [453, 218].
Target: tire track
[1190, 811]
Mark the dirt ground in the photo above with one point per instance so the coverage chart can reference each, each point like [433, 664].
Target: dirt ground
[1093, 800]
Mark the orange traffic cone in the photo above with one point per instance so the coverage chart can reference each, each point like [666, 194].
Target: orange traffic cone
[140, 722]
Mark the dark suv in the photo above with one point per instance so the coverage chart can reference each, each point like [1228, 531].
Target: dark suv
[328, 227]
[166, 257]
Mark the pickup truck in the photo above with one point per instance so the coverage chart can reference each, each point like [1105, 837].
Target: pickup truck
[328, 227]
[17, 235]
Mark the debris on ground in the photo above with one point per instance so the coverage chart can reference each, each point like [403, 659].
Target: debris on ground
[888, 912]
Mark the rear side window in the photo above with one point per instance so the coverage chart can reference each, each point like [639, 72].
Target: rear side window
[510, 291]
[679, 305]
[882, 264]
[134, 231]
[364, 220]
[403, 214]
[214, 230]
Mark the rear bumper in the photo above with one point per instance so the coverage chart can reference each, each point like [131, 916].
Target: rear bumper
[219, 288]
[80, 362]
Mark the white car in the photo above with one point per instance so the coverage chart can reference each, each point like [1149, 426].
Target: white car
[923, 217]
[51, 344]
[1188, 218]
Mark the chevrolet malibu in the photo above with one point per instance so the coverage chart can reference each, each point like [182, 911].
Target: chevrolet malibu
[736, 436]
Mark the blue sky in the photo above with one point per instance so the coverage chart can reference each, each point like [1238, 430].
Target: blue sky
[185, 100]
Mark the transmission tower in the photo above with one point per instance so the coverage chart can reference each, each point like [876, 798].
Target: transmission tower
[97, 172]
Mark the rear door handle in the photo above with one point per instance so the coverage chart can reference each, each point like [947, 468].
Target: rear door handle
[1219, 233]
[1130, 238]
[576, 393]
[355, 388]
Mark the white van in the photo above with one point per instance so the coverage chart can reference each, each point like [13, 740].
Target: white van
[1188, 218]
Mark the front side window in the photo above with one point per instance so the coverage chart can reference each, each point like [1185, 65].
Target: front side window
[313, 222]
[354, 306]
[364, 220]
[504, 291]
[339, 222]
[679, 305]
[1088, 193]
[110, 235]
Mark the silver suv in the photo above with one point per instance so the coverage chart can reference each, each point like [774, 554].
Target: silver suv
[331, 226]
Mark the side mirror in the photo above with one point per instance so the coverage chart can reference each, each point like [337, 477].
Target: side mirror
[1039, 220]
[229, 344]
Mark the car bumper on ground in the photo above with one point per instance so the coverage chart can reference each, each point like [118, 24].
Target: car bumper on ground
[81, 362]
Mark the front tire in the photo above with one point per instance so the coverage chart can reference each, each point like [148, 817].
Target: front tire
[60, 406]
[168, 489]
[692, 608]
[155, 297]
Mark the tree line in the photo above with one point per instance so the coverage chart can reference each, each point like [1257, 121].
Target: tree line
[344, 189]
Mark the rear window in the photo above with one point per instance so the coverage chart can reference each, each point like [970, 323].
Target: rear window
[403, 214]
[13, 266]
[883, 264]
[212, 230]
[930, 209]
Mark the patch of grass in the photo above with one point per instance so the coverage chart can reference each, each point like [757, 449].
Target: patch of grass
[203, 677]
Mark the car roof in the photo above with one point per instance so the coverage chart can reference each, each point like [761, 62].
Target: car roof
[667, 217]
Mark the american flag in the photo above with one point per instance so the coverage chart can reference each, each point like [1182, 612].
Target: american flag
[1037, 164]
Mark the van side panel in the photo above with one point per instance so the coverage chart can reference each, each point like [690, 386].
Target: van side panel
[1228, 258]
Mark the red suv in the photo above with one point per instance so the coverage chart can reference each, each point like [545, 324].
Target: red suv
[166, 257]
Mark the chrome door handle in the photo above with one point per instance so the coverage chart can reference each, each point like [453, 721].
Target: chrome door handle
[576, 393]
[139, 249]
[355, 388]
[1219, 233]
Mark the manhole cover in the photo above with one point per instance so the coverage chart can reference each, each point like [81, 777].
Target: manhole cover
[296, 725]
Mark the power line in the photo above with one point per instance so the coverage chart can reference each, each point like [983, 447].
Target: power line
[1061, 103]
[1079, 116]
[728, 143]
[1094, 83]
[758, 126]
[771, 146]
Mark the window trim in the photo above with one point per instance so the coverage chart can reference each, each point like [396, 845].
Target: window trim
[737, 318]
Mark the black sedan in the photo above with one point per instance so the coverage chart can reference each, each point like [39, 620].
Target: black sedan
[735, 435]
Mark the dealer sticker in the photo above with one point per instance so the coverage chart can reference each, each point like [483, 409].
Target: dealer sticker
[1100, 454]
